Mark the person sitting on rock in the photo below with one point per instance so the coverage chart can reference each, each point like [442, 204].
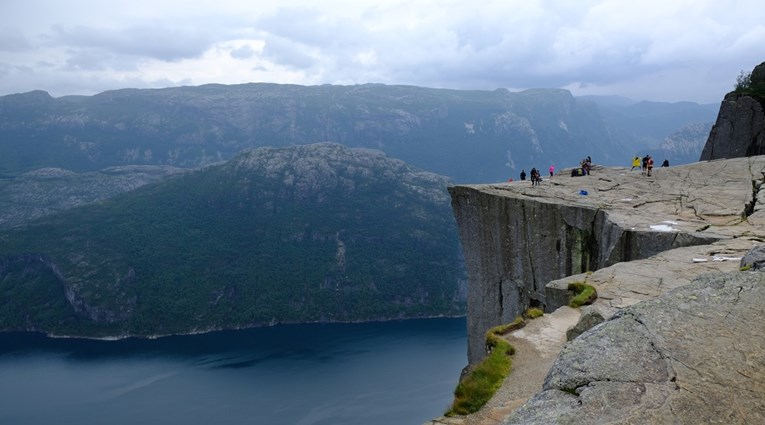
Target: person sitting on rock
[523, 175]
[665, 163]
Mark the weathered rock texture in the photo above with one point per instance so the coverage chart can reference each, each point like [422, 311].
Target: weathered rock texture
[740, 126]
[739, 129]
[695, 355]
[517, 238]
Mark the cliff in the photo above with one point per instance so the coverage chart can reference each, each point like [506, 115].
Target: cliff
[517, 238]
[635, 238]
[740, 126]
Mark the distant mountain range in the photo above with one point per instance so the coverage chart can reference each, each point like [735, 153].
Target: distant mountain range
[650, 127]
[299, 234]
[470, 136]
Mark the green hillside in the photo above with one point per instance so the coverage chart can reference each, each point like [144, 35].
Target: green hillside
[309, 233]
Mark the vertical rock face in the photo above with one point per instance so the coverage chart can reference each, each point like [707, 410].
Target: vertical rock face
[739, 130]
[740, 127]
[512, 249]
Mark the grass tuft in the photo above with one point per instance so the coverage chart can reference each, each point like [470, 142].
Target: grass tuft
[533, 313]
[585, 294]
[479, 385]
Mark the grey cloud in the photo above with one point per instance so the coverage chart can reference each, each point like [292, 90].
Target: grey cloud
[158, 42]
[13, 40]
[288, 53]
[94, 59]
[309, 27]
[244, 52]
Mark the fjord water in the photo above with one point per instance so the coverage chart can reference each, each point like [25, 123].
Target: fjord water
[400, 372]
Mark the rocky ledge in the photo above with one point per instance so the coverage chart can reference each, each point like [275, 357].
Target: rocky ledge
[678, 339]
[517, 238]
[694, 355]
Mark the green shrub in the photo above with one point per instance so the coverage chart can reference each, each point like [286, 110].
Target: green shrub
[745, 85]
[745, 268]
[479, 385]
[584, 294]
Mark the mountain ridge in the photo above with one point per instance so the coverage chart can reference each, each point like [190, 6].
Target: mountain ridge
[470, 136]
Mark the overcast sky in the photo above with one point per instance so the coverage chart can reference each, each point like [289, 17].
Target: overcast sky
[665, 50]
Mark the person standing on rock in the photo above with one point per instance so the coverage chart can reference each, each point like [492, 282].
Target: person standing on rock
[536, 177]
[635, 163]
[552, 170]
[645, 163]
[649, 166]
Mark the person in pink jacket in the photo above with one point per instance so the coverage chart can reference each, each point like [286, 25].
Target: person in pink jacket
[552, 170]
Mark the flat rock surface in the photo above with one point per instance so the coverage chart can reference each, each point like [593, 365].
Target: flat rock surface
[628, 283]
[694, 355]
[707, 197]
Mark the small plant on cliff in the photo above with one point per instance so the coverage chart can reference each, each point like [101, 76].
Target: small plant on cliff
[745, 85]
[585, 294]
[533, 313]
[743, 81]
[479, 385]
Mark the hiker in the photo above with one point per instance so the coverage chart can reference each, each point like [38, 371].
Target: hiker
[523, 175]
[552, 170]
[645, 163]
[649, 166]
[535, 177]
[635, 163]
[665, 163]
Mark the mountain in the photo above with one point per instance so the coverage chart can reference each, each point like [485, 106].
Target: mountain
[41, 192]
[298, 234]
[470, 136]
[644, 126]
[683, 146]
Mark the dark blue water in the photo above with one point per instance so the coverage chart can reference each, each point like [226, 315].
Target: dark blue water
[392, 373]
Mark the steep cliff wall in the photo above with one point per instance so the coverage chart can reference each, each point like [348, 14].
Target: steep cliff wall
[517, 238]
[739, 129]
[740, 126]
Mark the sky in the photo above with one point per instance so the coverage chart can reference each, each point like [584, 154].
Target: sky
[660, 50]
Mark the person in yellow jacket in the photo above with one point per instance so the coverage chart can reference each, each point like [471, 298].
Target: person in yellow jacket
[635, 163]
